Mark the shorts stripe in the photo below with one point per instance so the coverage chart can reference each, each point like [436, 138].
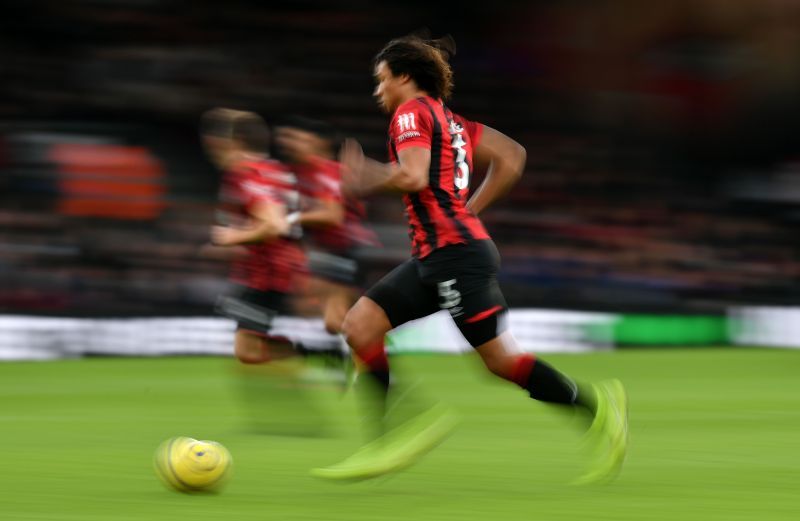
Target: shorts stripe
[484, 314]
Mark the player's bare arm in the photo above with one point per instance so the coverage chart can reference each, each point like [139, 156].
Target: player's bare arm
[504, 160]
[324, 214]
[365, 175]
[268, 223]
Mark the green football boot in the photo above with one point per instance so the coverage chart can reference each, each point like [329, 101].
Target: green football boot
[607, 437]
[396, 450]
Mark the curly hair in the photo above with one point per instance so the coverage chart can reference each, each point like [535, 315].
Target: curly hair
[424, 61]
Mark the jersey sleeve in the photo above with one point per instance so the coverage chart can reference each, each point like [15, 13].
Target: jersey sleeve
[327, 181]
[411, 126]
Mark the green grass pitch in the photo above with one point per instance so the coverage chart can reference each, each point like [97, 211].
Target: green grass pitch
[715, 436]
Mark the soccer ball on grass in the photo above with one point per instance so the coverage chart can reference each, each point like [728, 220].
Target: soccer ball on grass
[190, 465]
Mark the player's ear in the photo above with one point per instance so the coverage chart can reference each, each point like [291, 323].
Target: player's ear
[404, 78]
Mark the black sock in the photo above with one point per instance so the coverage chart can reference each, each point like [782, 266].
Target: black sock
[373, 392]
[374, 384]
[381, 379]
[548, 385]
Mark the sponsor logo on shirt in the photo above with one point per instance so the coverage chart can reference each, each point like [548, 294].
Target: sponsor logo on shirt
[407, 135]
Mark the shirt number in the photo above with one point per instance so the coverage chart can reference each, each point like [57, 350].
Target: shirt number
[458, 144]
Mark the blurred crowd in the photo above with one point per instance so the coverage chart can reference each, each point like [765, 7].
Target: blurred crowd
[661, 172]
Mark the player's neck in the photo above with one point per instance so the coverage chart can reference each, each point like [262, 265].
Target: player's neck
[246, 155]
[412, 94]
[242, 156]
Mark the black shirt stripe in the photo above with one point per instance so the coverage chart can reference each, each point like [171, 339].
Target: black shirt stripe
[443, 198]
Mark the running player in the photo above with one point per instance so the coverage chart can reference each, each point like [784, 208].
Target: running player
[332, 224]
[256, 195]
[276, 386]
[433, 152]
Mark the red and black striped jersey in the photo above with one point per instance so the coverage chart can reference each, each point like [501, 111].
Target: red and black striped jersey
[321, 180]
[272, 265]
[437, 215]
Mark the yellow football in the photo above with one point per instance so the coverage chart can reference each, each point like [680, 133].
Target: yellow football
[190, 465]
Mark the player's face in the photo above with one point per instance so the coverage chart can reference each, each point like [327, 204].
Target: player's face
[297, 144]
[218, 149]
[387, 88]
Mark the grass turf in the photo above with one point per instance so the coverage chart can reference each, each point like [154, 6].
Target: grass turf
[715, 436]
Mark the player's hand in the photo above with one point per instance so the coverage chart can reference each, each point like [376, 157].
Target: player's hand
[223, 236]
[283, 227]
[351, 157]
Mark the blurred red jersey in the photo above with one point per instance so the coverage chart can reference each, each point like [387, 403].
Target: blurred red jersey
[273, 265]
[437, 215]
[321, 180]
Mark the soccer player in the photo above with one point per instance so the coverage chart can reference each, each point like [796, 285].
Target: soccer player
[433, 153]
[255, 196]
[277, 385]
[332, 223]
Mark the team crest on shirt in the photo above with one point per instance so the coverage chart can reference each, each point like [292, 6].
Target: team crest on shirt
[407, 126]
[406, 122]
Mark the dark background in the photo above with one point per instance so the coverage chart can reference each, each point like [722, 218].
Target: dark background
[662, 167]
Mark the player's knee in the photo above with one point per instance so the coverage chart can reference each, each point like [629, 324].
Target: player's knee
[249, 359]
[365, 325]
[250, 350]
[359, 331]
[249, 356]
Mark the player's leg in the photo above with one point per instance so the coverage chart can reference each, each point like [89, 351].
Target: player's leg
[396, 299]
[249, 347]
[254, 312]
[338, 301]
[465, 276]
[342, 289]
[333, 284]
[273, 378]
[334, 281]
[542, 381]
[604, 404]
[257, 348]
[391, 449]
[331, 357]
[364, 329]
[466, 281]
[277, 389]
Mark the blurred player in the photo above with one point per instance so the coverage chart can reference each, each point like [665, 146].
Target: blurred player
[332, 223]
[454, 262]
[256, 195]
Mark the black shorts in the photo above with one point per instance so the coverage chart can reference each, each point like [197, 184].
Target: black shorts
[340, 267]
[253, 310]
[461, 279]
